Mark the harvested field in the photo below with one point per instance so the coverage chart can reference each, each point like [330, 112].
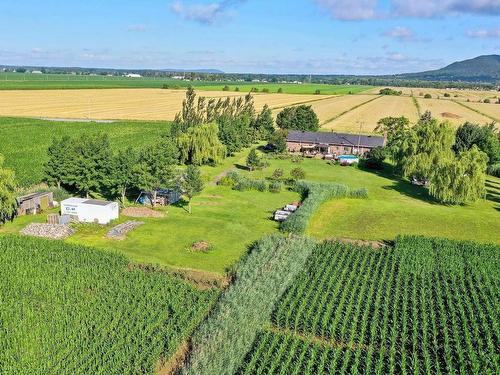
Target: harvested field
[368, 114]
[455, 94]
[492, 110]
[326, 109]
[455, 113]
[129, 104]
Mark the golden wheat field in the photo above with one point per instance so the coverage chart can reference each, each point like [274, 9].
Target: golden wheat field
[129, 104]
[367, 115]
[492, 110]
[328, 108]
[455, 94]
[453, 112]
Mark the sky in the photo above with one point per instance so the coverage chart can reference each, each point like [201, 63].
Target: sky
[250, 36]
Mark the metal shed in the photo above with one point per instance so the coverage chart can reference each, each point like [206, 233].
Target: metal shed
[34, 203]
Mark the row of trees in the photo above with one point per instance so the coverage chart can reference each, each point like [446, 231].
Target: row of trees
[88, 165]
[429, 153]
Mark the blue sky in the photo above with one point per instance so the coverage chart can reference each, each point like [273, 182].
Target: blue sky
[256, 36]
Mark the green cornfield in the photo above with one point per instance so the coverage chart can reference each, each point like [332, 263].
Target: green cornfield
[68, 309]
[424, 306]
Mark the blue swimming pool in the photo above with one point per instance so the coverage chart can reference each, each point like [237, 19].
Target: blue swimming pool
[348, 157]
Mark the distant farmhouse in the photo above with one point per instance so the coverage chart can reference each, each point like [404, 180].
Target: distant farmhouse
[334, 144]
[132, 75]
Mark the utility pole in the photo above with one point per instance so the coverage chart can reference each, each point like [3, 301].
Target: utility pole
[359, 135]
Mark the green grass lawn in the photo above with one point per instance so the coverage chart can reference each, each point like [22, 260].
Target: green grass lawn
[24, 142]
[20, 81]
[229, 220]
[394, 207]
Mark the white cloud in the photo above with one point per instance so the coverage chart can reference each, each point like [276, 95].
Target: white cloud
[442, 8]
[484, 33]
[205, 13]
[350, 10]
[400, 33]
[371, 9]
[396, 57]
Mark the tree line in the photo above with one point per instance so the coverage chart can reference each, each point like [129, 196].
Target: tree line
[452, 164]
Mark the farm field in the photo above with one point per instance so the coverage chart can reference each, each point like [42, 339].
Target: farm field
[326, 109]
[124, 104]
[20, 81]
[491, 110]
[393, 207]
[455, 94]
[24, 142]
[426, 306]
[368, 114]
[69, 309]
[452, 112]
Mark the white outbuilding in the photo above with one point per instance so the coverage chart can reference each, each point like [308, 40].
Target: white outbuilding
[132, 75]
[90, 210]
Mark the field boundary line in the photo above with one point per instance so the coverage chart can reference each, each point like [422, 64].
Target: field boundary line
[349, 110]
[417, 105]
[305, 102]
[476, 110]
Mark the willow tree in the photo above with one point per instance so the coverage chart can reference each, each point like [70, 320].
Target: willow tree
[400, 139]
[7, 193]
[432, 142]
[461, 179]
[200, 145]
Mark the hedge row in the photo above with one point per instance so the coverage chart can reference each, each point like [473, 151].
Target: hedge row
[221, 342]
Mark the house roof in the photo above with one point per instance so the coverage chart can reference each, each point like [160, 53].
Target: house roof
[33, 195]
[335, 138]
[93, 202]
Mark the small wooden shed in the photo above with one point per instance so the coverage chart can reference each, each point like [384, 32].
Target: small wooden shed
[34, 203]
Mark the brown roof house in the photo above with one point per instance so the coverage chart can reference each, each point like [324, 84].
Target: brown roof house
[334, 144]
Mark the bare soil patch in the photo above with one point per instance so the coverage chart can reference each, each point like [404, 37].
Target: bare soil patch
[141, 212]
[202, 246]
[450, 115]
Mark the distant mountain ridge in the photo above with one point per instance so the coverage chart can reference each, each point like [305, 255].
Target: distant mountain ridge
[484, 68]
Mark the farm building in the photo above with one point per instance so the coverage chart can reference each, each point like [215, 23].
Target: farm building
[132, 75]
[334, 144]
[162, 197]
[32, 204]
[90, 210]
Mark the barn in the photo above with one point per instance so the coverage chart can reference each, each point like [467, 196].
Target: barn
[90, 210]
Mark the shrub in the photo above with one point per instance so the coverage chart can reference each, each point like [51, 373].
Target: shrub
[225, 88]
[275, 187]
[165, 86]
[375, 158]
[446, 95]
[486, 101]
[297, 159]
[427, 96]
[298, 173]
[317, 92]
[280, 90]
[237, 89]
[265, 89]
[260, 185]
[277, 174]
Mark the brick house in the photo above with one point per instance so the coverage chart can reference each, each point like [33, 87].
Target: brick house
[333, 144]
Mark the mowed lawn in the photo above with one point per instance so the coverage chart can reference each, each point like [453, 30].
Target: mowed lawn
[230, 221]
[24, 142]
[394, 207]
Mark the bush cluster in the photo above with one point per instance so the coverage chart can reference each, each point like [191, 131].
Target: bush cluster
[242, 183]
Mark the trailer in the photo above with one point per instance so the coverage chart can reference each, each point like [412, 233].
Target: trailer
[90, 210]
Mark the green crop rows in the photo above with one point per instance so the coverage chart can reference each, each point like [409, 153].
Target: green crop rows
[69, 309]
[425, 306]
